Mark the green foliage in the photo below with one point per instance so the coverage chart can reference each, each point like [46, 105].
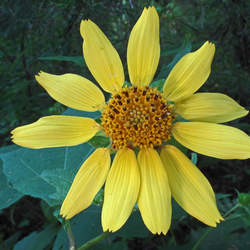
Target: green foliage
[158, 84]
[38, 240]
[225, 236]
[99, 141]
[8, 195]
[86, 226]
[180, 52]
[244, 199]
[45, 173]
[78, 60]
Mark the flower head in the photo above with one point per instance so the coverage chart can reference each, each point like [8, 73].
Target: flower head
[140, 120]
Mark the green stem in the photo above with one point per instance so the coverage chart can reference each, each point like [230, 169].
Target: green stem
[93, 241]
[67, 228]
[231, 210]
[202, 238]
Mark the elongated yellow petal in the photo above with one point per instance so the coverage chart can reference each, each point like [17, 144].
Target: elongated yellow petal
[189, 74]
[144, 48]
[210, 107]
[216, 140]
[87, 182]
[73, 91]
[101, 57]
[189, 186]
[154, 199]
[55, 131]
[121, 190]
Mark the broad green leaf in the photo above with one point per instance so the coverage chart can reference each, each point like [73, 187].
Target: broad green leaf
[178, 212]
[134, 227]
[38, 240]
[44, 173]
[87, 225]
[8, 195]
[74, 112]
[75, 59]
[60, 179]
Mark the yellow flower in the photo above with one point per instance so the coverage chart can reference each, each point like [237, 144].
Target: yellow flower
[141, 118]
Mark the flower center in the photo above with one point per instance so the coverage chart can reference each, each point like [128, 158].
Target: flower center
[137, 117]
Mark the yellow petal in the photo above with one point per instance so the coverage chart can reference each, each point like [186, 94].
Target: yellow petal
[144, 48]
[72, 90]
[189, 186]
[87, 182]
[154, 199]
[55, 131]
[210, 107]
[121, 190]
[189, 74]
[216, 140]
[101, 57]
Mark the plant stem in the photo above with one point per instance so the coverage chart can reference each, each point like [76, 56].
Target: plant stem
[67, 228]
[231, 210]
[93, 241]
[202, 238]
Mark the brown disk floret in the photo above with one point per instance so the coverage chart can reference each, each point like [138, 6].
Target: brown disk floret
[137, 117]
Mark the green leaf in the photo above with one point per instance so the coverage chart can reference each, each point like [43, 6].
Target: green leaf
[244, 199]
[38, 240]
[8, 195]
[11, 241]
[75, 59]
[74, 112]
[178, 212]
[87, 225]
[158, 84]
[99, 141]
[44, 173]
[227, 235]
[175, 143]
[99, 198]
[134, 227]
[182, 51]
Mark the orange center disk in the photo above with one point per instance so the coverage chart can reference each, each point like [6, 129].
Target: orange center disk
[137, 117]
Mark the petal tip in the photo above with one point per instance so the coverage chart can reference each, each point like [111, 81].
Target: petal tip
[12, 132]
[83, 24]
[209, 45]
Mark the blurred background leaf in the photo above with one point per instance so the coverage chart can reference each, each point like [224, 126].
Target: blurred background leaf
[44, 173]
